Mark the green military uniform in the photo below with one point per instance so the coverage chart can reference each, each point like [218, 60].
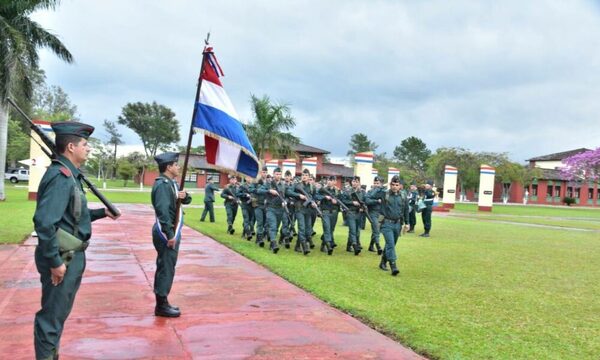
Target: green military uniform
[164, 200]
[289, 220]
[428, 197]
[330, 215]
[59, 191]
[412, 208]
[243, 193]
[260, 214]
[303, 215]
[231, 205]
[354, 217]
[275, 211]
[374, 210]
[394, 216]
[209, 200]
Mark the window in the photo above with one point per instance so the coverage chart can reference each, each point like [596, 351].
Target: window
[557, 191]
[569, 192]
[191, 177]
[549, 190]
[534, 190]
[214, 176]
[591, 194]
[576, 193]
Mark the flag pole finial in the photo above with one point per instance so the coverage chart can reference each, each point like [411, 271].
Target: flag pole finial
[207, 38]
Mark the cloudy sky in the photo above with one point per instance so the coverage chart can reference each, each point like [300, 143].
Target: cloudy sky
[505, 76]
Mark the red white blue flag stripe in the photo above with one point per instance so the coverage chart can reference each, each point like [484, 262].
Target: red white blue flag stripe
[226, 142]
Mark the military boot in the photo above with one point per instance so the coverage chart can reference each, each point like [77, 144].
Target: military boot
[357, 248]
[372, 246]
[323, 247]
[329, 248]
[311, 243]
[259, 241]
[298, 247]
[274, 247]
[230, 229]
[395, 270]
[305, 248]
[287, 241]
[379, 251]
[382, 264]
[163, 309]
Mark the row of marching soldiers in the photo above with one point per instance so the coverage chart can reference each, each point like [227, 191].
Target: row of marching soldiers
[273, 204]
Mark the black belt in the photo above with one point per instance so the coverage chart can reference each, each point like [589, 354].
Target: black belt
[393, 221]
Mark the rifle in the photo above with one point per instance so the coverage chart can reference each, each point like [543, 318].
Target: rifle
[232, 194]
[53, 154]
[362, 205]
[309, 200]
[342, 205]
[284, 202]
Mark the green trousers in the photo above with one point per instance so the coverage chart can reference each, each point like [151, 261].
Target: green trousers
[329, 221]
[231, 210]
[248, 217]
[426, 216]
[354, 220]
[390, 231]
[274, 218]
[374, 217]
[166, 259]
[57, 302]
[208, 209]
[304, 218]
[260, 215]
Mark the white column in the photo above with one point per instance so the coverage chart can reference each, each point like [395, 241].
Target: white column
[310, 164]
[363, 165]
[486, 187]
[450, 176]
[289, 164]
[271, 165]
[39, 160]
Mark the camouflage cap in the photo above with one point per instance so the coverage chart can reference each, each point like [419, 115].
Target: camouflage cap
[72, 128]
[166, 158]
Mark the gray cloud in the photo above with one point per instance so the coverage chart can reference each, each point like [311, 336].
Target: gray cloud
[489, 76]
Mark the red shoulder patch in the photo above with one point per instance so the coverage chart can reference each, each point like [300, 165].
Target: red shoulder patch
[66, 172]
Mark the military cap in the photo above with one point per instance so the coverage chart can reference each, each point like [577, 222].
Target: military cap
[288, 173]
[231, 176]
[356, 178]
[332, 178]
[429, 182]
[306, 171]
[396, 179]
[364, 187]
[72, 128]
[166, 158]
[264, 168]
[378, 178]
[277, 169]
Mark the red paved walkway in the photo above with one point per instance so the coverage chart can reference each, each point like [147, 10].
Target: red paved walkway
[232, 308]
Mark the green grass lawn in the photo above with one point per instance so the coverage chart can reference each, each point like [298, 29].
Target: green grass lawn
[475, 290]
[573, 212]
[16, 214]
[548, 221]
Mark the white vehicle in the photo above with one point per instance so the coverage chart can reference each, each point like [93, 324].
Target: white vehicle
[16, 175]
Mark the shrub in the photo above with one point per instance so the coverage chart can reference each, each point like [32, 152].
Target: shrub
[569, 200]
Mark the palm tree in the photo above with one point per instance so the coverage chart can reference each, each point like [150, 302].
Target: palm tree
[267, 131]
[20, 40]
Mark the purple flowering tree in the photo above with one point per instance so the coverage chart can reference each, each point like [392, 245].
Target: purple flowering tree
[584, 166]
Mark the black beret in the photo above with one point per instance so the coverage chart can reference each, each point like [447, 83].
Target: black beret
[72, 128]
[277, 169]
[378, 178]
[166, 158]
[395, 179]
[306, 171]
[288, 173]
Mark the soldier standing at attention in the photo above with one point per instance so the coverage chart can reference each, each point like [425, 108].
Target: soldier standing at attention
[231, 202]
[374, 209]
[330, 208]
[413, 196]
[209, 199]
[395, 215]
[353, 198]
[61, 209]
[166, 232]
[260, 214]
[428, 197]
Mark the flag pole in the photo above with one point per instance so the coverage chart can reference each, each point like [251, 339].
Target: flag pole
[189, 143]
